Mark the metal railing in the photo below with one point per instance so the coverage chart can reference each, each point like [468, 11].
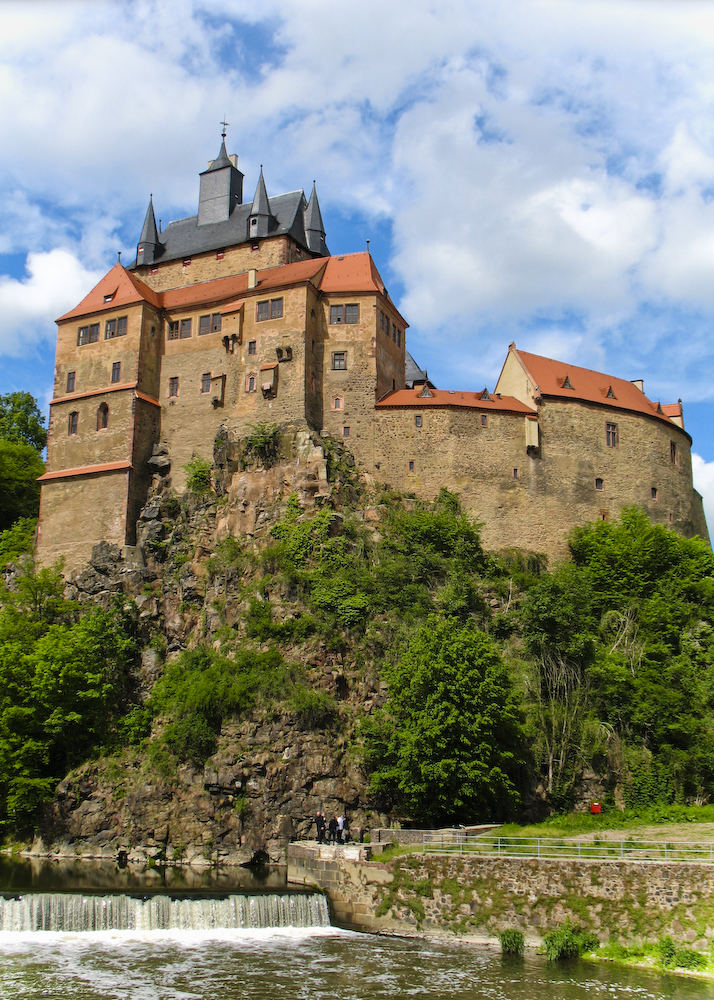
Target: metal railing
[459, 842]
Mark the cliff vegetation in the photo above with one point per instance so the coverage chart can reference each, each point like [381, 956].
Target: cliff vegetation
[288, 637]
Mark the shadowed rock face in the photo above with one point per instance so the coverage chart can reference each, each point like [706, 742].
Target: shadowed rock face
[269, 774]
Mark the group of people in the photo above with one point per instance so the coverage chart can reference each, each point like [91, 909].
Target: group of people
[334, 832]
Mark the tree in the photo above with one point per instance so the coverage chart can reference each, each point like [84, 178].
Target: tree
[21, 420]
[448, 745]
[20, 466]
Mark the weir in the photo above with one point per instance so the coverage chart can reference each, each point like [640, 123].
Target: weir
[45, 911]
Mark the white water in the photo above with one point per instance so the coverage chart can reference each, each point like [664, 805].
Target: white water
[81, 913]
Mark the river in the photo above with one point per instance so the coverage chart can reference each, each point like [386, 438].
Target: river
[276, 963]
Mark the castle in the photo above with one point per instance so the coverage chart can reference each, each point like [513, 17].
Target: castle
[239, 315]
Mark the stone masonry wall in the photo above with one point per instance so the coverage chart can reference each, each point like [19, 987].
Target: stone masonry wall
[271, 252]
[76, 512]
[482, 896]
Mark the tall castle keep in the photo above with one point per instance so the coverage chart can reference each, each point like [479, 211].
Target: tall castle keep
[239, 315]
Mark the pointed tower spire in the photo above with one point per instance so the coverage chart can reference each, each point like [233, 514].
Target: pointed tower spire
[149, 246]
[261, 219]
[314, 227]
[221, 187]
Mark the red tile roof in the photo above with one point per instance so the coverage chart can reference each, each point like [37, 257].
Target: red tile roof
[350, 273]
[85, 470]
[445, 397]
[554, 378]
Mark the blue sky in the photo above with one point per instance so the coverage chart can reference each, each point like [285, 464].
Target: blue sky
[531, 170]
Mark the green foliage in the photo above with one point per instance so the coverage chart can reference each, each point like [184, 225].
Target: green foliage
[17, 541]
[64, 682]
[512, 942]
[21, 420]
[314, 709]
[198, 476]
[200, 688]
[229, 556]
[20, 465]
[622, 638]
[447, 745]
[568, 941]
[672, 956]
[263, 443]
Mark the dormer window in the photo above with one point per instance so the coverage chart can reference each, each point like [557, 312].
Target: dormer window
[109, 297]
[566, 383]
[610, 394]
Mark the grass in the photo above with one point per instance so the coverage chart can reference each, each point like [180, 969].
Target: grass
[574, 824]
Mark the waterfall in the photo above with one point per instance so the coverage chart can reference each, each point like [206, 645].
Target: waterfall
[55, 911]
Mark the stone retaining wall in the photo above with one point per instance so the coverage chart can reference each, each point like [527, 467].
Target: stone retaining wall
[479, 897]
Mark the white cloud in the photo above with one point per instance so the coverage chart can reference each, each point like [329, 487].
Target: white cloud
[55, 282]
[703, 475]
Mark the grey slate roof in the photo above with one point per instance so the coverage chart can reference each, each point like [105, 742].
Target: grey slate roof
[185, 237]
[222, 160]
[413, 374]
[149, 233]
[261, 205]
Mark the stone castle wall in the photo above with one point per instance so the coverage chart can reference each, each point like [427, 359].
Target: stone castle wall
[480, 896]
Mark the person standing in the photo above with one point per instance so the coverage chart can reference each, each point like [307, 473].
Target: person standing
[332, 830]
[340, 829]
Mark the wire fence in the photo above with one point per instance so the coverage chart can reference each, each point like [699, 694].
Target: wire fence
[458, 842]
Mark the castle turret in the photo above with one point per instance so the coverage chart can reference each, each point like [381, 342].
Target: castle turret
[261, 219]
[149, 247]
[221, 189]
[314, 227]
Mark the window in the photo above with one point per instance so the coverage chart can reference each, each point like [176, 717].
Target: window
[173, 385]
[186, 261]
[206, 382]
[673, 456]
[252, 347]
[269, 309]
[88, 334]
[153, 270]
[337, 403]
[115, 328]
[339, 360]
[399, 338]
[611, 435]
[599, 484]
[116, 371]
[344, 314]
[209, 324]
[411, 465]
[515, 473]
[653, 493]
[345, 432]
[73, 422]
[102, 417]
[109, 297]
[220, 255]
[173, 329]
[417, 420]
[394, 332]
[484, 420]
[70, 381]
[254, 247]
[185, 329]
[250, 383]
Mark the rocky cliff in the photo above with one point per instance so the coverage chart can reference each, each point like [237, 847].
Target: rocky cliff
[273, 768]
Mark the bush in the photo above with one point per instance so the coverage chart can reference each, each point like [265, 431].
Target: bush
[568, 941]
[198, 473]
[263, 443]
[672, 957]
[512, 941]
[314, 709]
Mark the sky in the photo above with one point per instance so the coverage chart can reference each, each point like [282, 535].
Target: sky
[537, 171]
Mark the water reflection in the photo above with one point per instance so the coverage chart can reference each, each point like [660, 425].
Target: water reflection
[63, 875]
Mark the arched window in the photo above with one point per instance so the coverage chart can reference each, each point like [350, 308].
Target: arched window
[102, 416]
[337, 403]
[250, 382]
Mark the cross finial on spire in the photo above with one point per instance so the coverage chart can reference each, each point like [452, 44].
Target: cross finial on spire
[225, 126]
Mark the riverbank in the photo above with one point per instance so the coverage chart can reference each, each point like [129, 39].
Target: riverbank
[475, 898]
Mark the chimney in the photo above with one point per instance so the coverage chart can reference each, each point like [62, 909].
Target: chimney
[252, 278]
[638, 384]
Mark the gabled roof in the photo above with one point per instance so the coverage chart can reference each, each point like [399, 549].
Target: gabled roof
[454, 398]
[125, 288]
[351, 274]
[565, 381]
